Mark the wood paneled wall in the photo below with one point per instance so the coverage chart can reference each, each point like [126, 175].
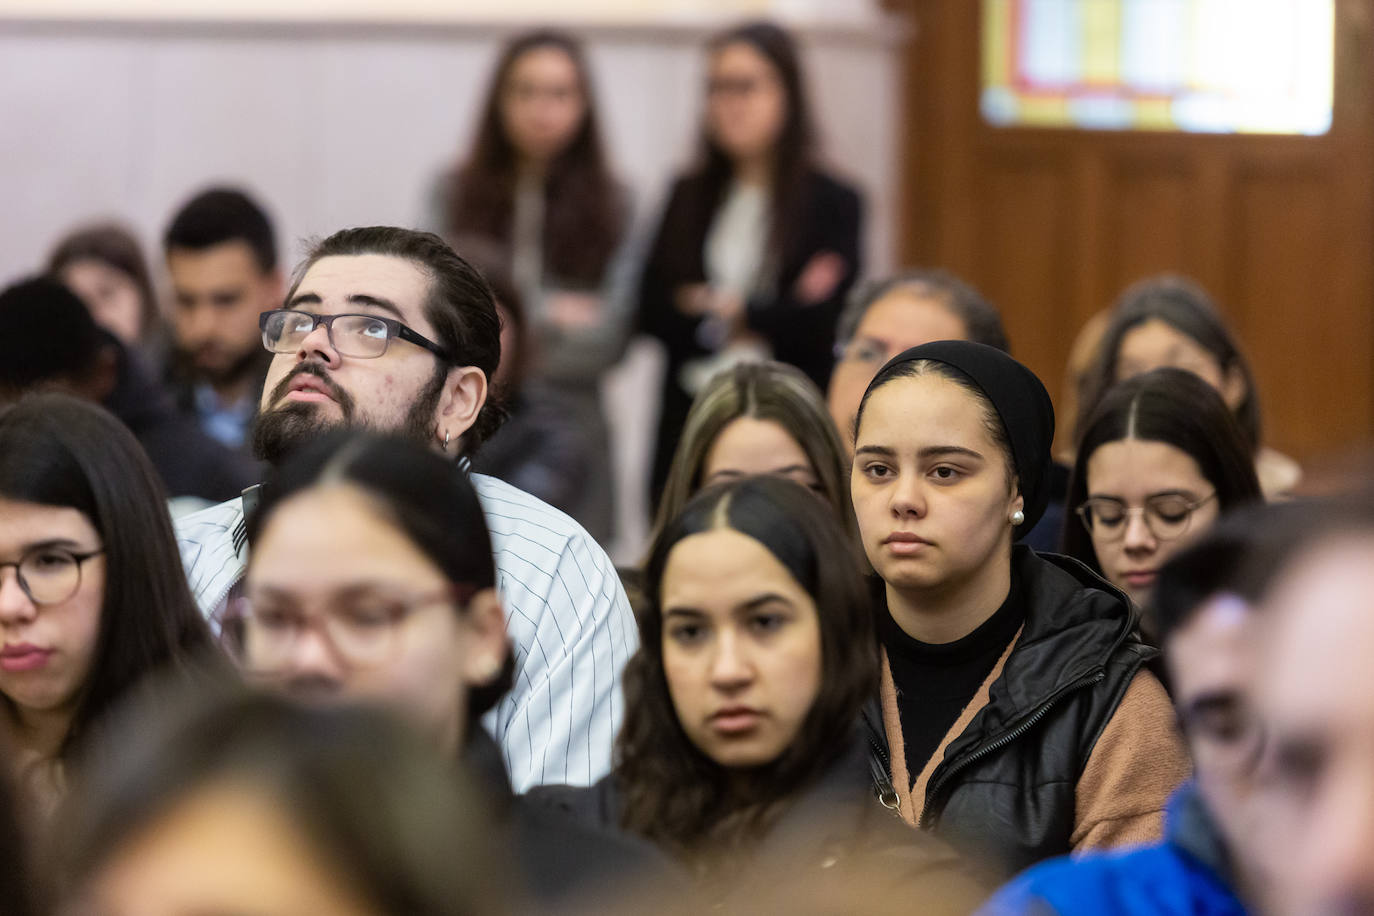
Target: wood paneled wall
[1053, 224]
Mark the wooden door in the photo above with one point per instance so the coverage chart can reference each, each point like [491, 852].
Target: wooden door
[1052, 224]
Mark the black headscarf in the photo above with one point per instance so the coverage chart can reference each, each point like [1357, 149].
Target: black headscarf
[1018, 397]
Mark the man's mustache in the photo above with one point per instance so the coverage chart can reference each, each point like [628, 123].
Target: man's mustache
[341, 397]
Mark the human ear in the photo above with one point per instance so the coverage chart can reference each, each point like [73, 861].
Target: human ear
[1017, 506]
[485, 644]
[1233, 390]
[465, 391]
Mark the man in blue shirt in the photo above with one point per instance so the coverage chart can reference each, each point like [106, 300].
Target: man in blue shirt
[222, 266]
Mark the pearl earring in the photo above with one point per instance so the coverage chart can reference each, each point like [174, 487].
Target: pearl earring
[1018, 517]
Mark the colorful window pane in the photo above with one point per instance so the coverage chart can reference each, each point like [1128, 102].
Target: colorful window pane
[1211, 66]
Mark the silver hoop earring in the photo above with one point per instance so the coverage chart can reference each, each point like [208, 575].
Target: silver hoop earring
[1018, 517]
[445, 440]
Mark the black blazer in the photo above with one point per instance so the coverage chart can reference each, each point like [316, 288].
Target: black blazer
[829, 219]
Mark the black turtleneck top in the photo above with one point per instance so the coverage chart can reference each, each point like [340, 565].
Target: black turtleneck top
[935, 682]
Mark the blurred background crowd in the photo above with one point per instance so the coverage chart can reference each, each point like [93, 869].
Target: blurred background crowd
[795, 456]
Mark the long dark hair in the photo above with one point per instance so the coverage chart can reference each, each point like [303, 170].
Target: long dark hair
[1175, 407]
[585, 215]
[57, 450]
[795, 153]
[419, 492]
[674, 794]
[1185, 306]
[374, 801]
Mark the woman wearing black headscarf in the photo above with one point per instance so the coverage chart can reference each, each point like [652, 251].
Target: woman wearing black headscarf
[1017, 716]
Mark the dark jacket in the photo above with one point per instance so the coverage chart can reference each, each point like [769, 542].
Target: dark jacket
[189, 462]
[561, 859]
[835, 828]
[1006, 790]
[1188, 874]
[830, 219]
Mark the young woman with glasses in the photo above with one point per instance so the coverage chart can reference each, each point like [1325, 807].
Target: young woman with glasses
[92, 595]
[759, 242]
[1160, 459]
[372, 581]
[372, 578]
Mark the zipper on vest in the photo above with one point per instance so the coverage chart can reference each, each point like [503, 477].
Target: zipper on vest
[882, 780]
[880, 765]
[1030, 722]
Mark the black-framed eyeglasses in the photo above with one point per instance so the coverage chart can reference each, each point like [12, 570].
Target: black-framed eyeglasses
[50, 575]
[1167, 515]
[358, 336]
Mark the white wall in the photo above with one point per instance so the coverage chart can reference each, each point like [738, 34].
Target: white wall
[346, 123]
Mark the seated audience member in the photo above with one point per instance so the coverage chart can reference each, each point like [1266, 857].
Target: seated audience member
[1078, 370]
[389, 329]
[50, 341]
[222, 262]
[889, 316]
[1171, 321]
[538, 186]
[1017, 715]
[759, 242]
[742, 753]
[250, 804]
[1204, 602]
[1161, 458]
[372, 580]
[104, 265]
[1315, 699]
[759, 418]
[92, 597]
[542, 447]
[892, 315]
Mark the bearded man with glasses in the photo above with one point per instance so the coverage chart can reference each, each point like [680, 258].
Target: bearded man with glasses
[389, 329]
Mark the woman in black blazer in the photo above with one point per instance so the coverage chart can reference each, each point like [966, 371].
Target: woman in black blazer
[757, 246]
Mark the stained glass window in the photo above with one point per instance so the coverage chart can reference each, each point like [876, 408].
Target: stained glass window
[1244, 66]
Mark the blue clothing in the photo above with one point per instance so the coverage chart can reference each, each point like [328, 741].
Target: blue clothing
[227, 424]
[1186, 874]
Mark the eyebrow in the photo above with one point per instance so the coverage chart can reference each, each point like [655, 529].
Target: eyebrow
[790, 469]
[692, 613]
[756, 602]
[932, 451]
[1186, 494]
[759, 601]
[385, 305]
[69, 543]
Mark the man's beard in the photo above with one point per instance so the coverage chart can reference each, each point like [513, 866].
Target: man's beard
[279, 431]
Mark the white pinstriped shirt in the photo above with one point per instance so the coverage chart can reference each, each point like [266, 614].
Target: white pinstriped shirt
[569, 622]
